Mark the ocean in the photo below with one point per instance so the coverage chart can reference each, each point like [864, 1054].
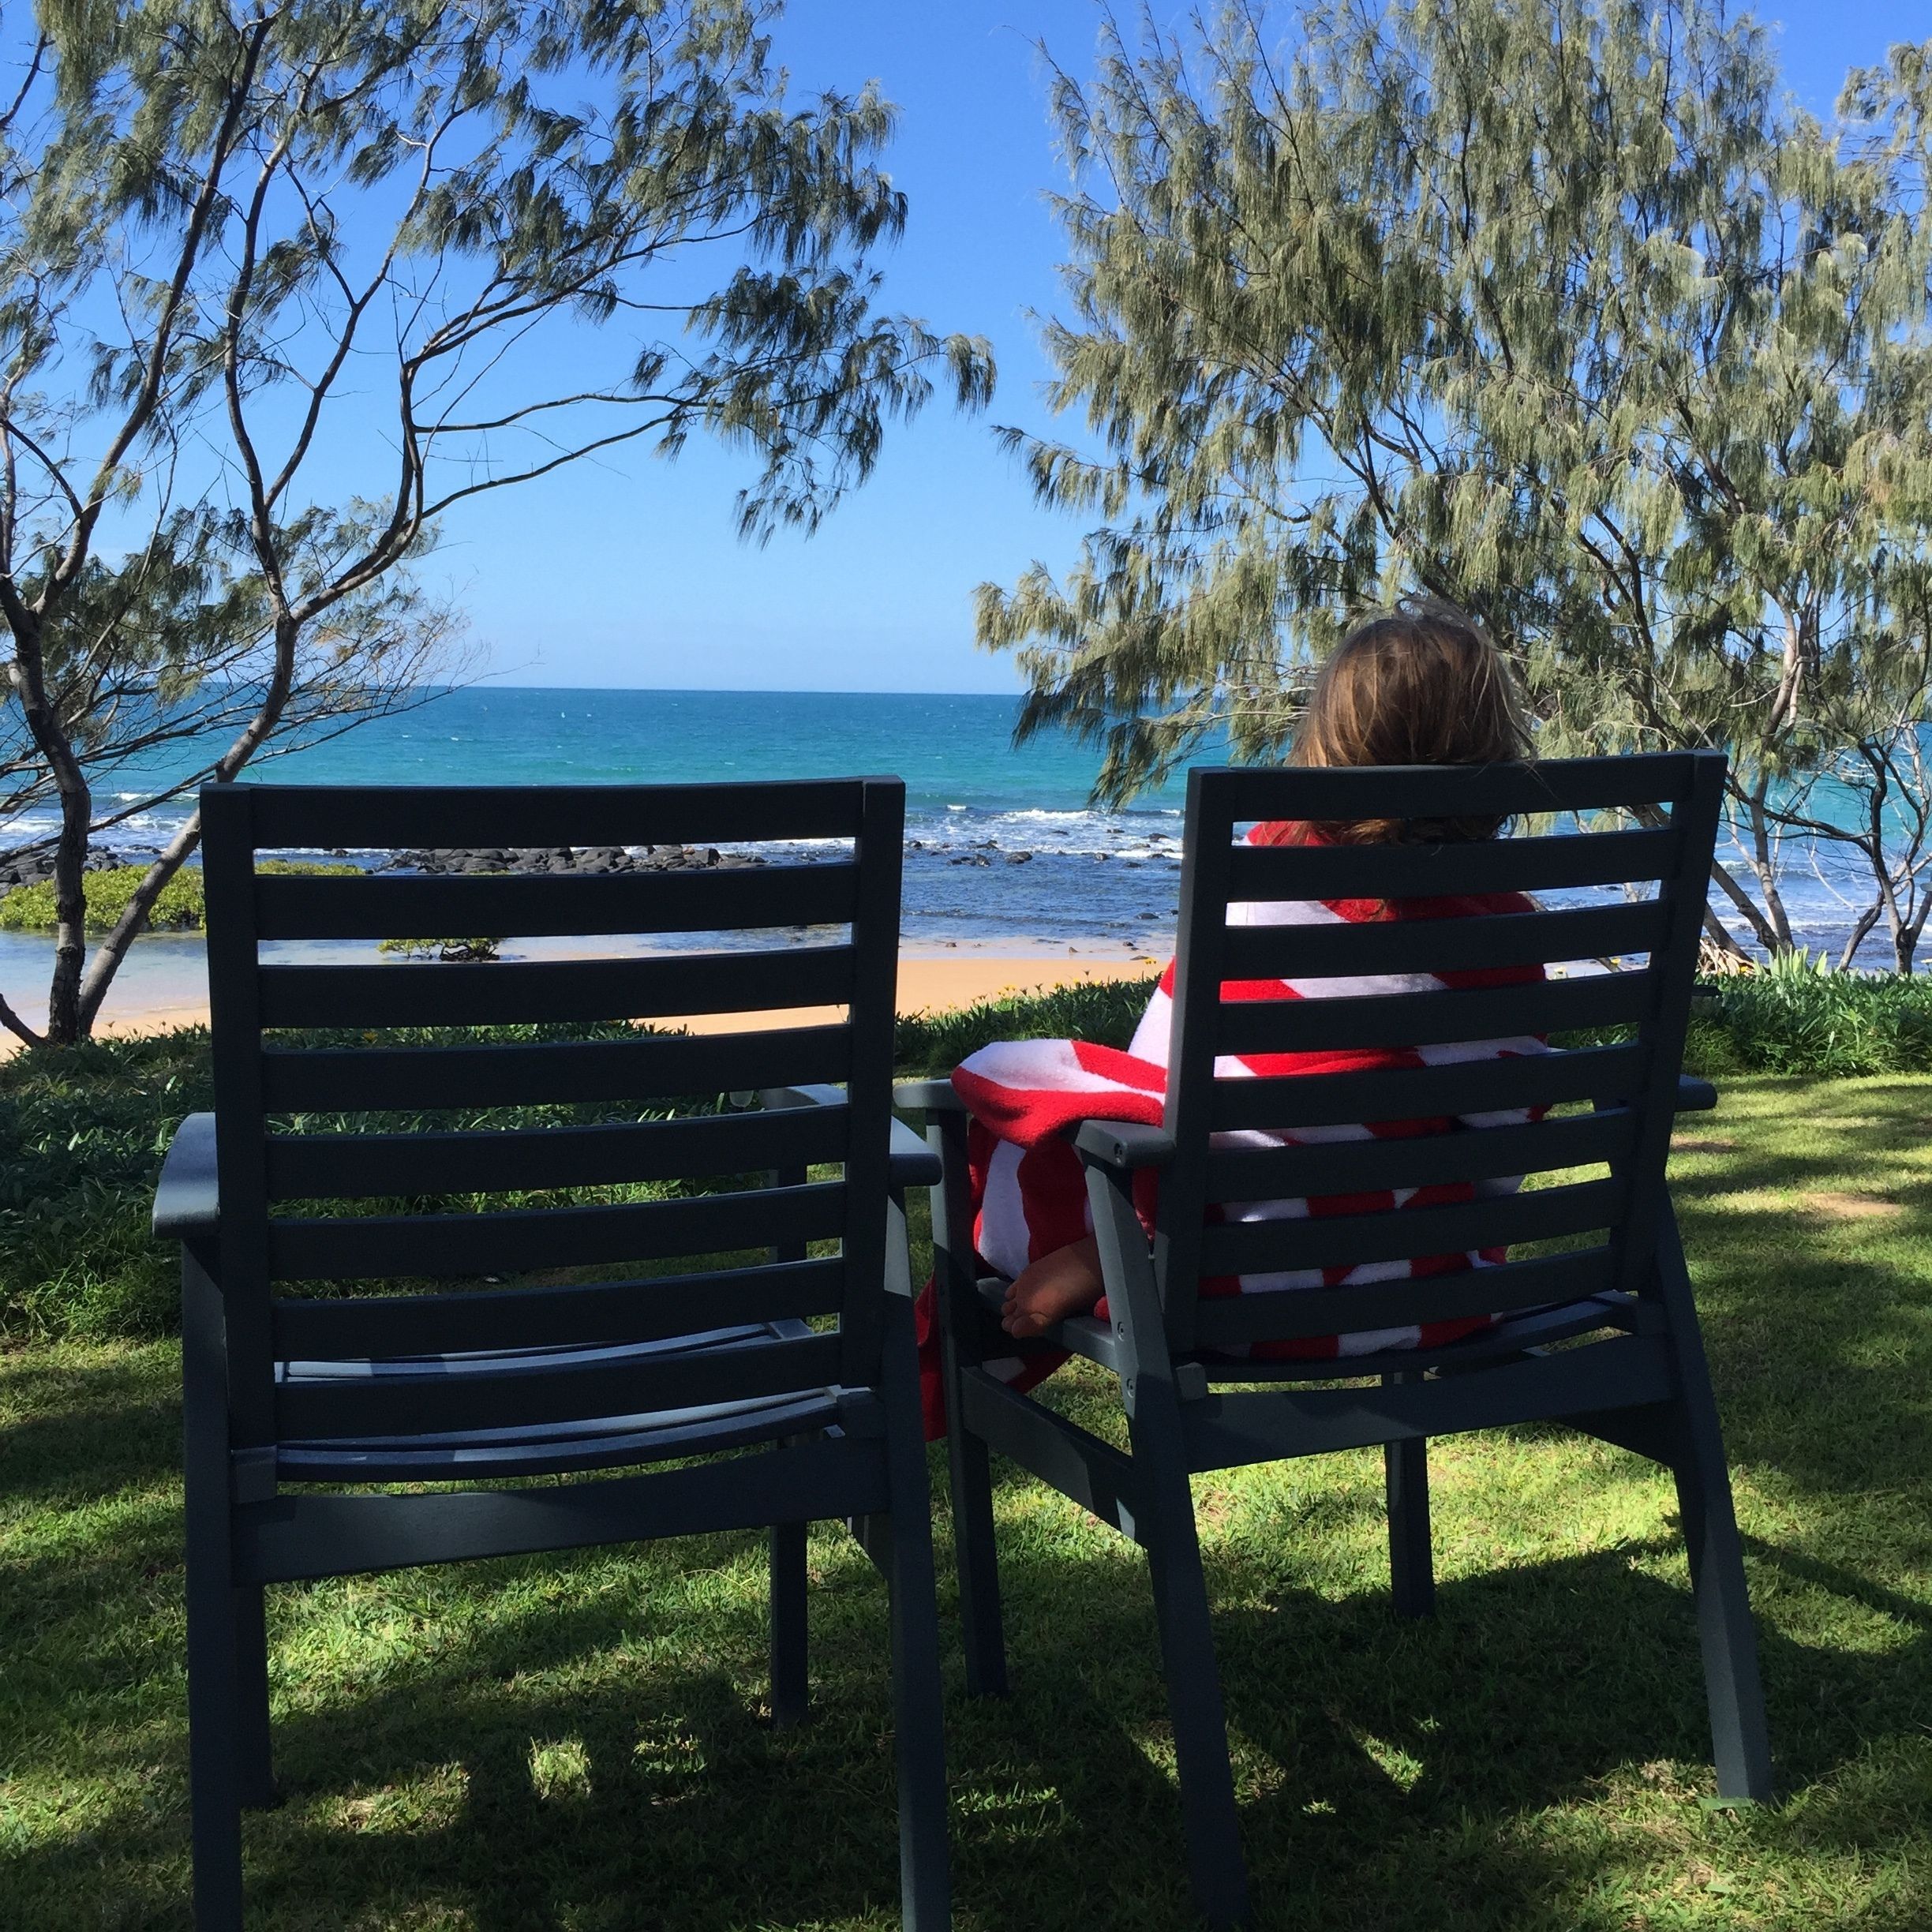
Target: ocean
[1000, 845]
[1003, 850]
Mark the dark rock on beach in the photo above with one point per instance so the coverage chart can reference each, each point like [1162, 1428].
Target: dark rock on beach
[29, 868]
[596, 859]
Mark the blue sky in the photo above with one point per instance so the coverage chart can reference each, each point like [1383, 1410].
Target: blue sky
[630, 574]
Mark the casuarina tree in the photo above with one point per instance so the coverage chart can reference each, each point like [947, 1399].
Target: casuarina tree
[442, 250]
[1556, 309]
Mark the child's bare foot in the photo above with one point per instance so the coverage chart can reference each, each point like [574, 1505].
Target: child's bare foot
[1065, 1282]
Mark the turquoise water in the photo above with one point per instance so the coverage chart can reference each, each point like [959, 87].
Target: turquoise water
[952, 751]
[1002, 843]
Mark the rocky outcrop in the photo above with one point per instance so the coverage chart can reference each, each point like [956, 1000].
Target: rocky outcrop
[580, 858]
[28, 868]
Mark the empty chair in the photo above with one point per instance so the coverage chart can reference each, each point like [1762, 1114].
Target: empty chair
[342, 1327]
[1215, 1325]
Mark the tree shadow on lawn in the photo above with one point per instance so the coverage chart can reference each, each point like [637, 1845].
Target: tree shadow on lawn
[544, 1748]
[1469, 1772]
[87, 1431]
[595, 1762]
[1819, 1333]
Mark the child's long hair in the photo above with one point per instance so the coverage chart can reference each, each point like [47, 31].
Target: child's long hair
[1417, 685]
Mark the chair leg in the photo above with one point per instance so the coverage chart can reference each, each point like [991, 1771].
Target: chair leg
[1215, 1867]
[1740, 1736]
[975, 1549]
[919, 1720]
[255, 1769]
[217, 1729]
[790, 1692]
[1412, 1571]
[215, 1734]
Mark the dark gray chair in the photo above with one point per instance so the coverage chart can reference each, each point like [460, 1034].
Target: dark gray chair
[775, 1419]
[1641, 1381]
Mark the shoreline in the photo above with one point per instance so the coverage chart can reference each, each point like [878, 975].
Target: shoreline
[931, 982]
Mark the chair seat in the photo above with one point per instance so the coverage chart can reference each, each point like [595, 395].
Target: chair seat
[538, 1449]
[1084, 1335]
[1533, 1328]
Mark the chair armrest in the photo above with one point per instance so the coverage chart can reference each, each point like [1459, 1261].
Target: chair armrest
[913, 1164]
[770, 1097]
[928, 1096]
[1125, 1143]
[1694, 1096]
[188, 1195]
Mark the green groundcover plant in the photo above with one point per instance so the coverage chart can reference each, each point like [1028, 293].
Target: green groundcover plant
[181, 907]
[82, 1134]
[1799, 1018]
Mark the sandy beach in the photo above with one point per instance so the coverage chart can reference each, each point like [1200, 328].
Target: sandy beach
[928, 983]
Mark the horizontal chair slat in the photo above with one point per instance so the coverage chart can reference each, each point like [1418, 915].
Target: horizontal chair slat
[1302, 1314]
[298, 1536]
[1597, 1073]
[531, 1390]
[1436, 790]
[291, 906]
[1230, 1431]
[388, 818]
[509, 993]
[356, 1079]
[1402, 1234]
[581, 1316]
[384, 1246]
[1250, 1027]
[1549, 862]
[1441, 945]
[328, 1166]
[1419, 1160]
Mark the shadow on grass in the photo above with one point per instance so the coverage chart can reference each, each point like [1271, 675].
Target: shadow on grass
[579, 1742]
[1394, 1774]
[1814, 1304]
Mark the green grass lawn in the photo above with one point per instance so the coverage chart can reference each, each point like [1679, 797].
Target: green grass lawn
[581, 1742]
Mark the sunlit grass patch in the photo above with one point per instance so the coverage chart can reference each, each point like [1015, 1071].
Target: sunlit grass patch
[585, 1740]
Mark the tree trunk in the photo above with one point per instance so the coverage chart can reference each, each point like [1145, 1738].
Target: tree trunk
[1762, 928]
[70, 853]
[1721, 937]
[113, 948]
[1765, 865]
[1867, 920]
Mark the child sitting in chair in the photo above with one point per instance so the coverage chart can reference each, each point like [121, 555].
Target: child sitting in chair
[1421, 685]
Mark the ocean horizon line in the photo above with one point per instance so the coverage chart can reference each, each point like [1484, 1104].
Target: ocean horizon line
[482, 685]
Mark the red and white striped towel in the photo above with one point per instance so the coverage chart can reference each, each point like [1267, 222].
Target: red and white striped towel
[1026, 1096]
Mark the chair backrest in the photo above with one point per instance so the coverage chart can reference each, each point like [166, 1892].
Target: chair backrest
[308, 1048]
[1654, 860]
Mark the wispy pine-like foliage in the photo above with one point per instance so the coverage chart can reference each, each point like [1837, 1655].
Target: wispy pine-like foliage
[1553, 308]
[229, 234]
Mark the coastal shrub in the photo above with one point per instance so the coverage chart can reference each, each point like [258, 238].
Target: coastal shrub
[82, 1132]
[1799, 1017]
[180, 908]
[1106, 1012]
[453, 949]
[82, 1135]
